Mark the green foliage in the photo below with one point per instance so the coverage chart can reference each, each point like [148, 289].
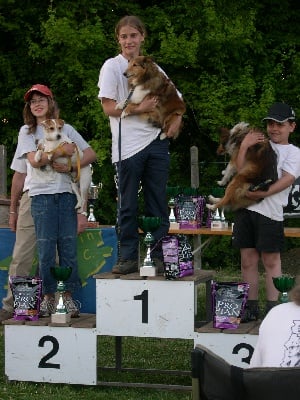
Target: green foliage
[228, 60]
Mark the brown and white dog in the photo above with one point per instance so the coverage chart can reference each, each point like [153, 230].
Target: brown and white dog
[146, 79]
[259, 171]
[55, 138]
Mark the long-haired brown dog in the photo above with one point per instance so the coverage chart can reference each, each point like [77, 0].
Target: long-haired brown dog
[259, 171]
[146, 79]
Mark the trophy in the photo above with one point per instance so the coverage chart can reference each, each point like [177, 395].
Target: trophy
[284, 284]
[172, 192]
[93, 196]
[61, 274]
[216, 222]
[149, 225]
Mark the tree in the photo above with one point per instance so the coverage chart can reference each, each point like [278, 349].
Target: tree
[229, 59]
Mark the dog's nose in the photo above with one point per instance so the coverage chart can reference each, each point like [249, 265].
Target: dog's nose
[125, 74]
[58, 136]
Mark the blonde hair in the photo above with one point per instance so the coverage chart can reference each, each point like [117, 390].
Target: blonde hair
[133, 21]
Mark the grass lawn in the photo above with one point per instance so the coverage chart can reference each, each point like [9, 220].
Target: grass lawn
[137, 353]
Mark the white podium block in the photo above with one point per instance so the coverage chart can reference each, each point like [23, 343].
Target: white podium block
[148, 271]
[235, 348]
[51, 354]
[145, 308]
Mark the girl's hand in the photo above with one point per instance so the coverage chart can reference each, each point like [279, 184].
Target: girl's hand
[148, 104]
[12, 222]
[82, 223]
[60, 167]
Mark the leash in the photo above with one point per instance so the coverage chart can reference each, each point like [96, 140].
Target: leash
[119, 203]
[77, 163]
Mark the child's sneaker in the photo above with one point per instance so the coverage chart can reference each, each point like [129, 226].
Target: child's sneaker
[72, 306]
[47, 307]
[251, 311]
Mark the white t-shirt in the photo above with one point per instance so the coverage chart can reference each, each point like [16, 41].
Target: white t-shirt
[136, 133]
[19, 165]
[288, 160]
[278, 342]
[37, 180]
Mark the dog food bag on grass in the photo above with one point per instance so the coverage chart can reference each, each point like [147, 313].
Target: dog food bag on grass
[27, 293]
[189, 211]
[229, 300]
[178, 257]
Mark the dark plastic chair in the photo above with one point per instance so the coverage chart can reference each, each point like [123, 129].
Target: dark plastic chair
[214, 379]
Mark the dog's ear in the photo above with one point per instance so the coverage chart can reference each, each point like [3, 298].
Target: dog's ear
[148, 59]
[59, 123]
[224, 136]
[45, 123]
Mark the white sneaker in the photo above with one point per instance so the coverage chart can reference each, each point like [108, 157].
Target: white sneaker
[72, 306]
[47, 307]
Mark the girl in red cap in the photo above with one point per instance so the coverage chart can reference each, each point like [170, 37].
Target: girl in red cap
[52, 200]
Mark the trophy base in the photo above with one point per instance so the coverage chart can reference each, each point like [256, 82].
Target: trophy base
[148, 271]
[93, 224]
[59, 318]
[174, 225]
[216, 225]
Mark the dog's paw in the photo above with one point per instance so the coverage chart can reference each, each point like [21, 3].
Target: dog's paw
[211, 207]
[162, 136]
[124, 114]
[78, 205]
[120, 105]
[222, 182]
[213, 200]
[38, 155]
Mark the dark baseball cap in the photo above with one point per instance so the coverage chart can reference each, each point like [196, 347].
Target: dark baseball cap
[280, 112]
[40, 89]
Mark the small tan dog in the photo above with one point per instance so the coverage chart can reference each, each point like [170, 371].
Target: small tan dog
[259, 171]
[146, 79]
[55, 138]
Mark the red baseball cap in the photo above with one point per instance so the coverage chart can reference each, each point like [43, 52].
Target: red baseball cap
[38, 88]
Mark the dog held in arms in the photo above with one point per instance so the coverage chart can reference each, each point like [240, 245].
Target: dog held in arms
[146, 79]
[258, 173]
[55, 138]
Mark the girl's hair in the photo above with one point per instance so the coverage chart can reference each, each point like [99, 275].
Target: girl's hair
[134, 22]
[295, 294]
[30, 119]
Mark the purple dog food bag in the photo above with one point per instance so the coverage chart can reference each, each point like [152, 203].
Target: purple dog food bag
[27, 297]
[178, 258]
[228, 299]
[189, 211]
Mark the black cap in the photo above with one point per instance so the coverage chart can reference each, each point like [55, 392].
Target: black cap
[280, 112]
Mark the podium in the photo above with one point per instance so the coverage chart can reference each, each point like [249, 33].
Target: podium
[125, 306]
[153, 307]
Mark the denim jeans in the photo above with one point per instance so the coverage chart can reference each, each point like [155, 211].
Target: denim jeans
[150, 167]
[55, 221]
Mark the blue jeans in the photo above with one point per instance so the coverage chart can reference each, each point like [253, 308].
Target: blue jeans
[55, 221]
[150, 167]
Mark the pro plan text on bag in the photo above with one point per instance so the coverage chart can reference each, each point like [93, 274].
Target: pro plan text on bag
[178, 257]
[228, 299]
[189, 211]
[27, 297]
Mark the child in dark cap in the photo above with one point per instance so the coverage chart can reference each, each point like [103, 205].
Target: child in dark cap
[258, 230]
